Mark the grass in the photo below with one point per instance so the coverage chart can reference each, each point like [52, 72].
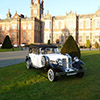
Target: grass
[18, 83]
[7, 50]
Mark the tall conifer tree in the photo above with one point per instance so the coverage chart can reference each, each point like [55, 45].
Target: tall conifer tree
[6, 43]
[71, 47]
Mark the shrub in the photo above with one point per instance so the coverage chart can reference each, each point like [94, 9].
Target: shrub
[48, 41]
[99, 47]
[71, 47]
[31, 44]
[7, 43]
[88, 43]
[57, 41]
[96, 44]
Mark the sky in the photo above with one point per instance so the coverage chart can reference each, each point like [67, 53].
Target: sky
[55, 7]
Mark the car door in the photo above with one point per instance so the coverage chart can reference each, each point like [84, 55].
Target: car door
[35, 57]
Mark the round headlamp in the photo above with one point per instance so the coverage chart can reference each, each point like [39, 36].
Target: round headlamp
[59, 62]
[76, 59]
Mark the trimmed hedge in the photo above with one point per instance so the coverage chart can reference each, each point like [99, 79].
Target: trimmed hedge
[48, 42]
[88, 45]
[71, 47]
[7, 43]
[96, 45]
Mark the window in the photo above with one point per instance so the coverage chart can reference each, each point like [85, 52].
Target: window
[87, 37]
[3, 27]
[35, 51]
[47, 25]
[7, 27]
[50, 26]
[24, 26]
[97, 23]
[35, 11]
[24, 36]
[18, 26]
[29, 36]
[13, 37]
[37, 27]
[2, 36]
[81, 24]
[80, 39]
[62, 25]
[29, 26]
[17, 37]
[88, 24]
[97, 35]
[71, 24]
[14, 26]
[56, 25]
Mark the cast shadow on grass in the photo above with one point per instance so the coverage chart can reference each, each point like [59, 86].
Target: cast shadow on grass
[43, 73]
[40, 72]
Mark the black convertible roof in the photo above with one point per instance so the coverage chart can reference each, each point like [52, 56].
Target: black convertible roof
[42, 46]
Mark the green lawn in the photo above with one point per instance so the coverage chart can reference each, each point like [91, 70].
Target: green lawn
[7, 50]
[18, 83]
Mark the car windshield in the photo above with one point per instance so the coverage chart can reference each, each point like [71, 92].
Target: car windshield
[49, 51]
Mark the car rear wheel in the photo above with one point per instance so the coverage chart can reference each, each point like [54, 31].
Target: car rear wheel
[28, 64]
[51, 75]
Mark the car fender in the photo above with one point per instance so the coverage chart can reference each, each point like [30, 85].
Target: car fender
[47, 60]
[57, 67]
[81, 63]
[27, 58]
[48, 65]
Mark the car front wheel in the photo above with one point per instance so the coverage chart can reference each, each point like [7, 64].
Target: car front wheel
[51, 75]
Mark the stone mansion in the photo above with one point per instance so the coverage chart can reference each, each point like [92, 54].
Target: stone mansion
[40, 28]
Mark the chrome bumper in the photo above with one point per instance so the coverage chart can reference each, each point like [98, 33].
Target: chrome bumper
[70, 72]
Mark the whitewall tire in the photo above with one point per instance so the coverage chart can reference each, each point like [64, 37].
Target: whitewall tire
[51, 75]
[28, 65]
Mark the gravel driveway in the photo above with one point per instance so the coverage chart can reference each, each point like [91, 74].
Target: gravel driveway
[11, 58]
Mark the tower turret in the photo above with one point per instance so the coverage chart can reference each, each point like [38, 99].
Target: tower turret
[38, 1]
[31, 2]
[8, 14]
[42, 3]
[37, 9]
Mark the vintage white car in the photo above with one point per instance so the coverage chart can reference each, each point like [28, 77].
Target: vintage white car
[55, 63]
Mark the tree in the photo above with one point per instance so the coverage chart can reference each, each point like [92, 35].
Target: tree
[7, 43]
[71, 47]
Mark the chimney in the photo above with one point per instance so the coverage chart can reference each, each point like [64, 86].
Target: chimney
[42, 3]
[31, 2]
[38, 1]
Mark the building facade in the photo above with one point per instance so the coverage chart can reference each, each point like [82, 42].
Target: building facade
[22, 29]
[81, 27]
[59, 27]
[40, 28]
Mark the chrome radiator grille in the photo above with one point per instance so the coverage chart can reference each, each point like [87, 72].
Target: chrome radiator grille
[64, 62]
[70, 62]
